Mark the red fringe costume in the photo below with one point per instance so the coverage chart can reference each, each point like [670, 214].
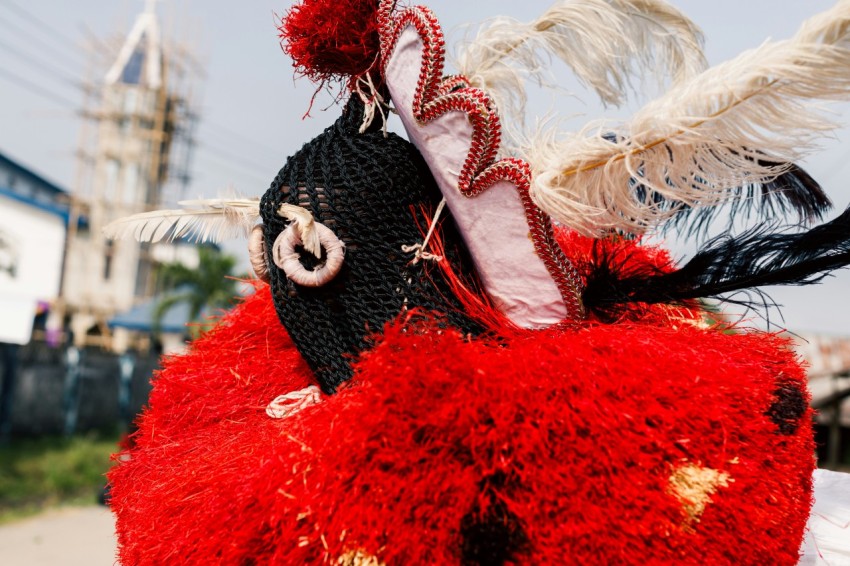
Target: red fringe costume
[449, 434]
[575, 436]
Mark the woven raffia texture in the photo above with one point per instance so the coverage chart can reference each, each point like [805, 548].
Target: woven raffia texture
[369, 189]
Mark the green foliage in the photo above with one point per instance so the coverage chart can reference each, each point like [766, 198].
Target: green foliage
[714, 316]
[42, 472]
[208, 287]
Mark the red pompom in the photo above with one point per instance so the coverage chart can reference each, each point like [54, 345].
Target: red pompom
[331, 39]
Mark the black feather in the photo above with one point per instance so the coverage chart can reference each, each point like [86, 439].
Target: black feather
[726, 264]
[793, 191]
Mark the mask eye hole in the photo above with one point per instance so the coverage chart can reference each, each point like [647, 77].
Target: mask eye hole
[286, 255]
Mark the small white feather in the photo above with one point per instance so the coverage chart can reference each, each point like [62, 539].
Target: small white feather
[605, 42]
[304, 222]
[695, 144]
[210, 220]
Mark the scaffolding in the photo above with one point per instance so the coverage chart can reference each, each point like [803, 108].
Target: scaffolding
[135, 152]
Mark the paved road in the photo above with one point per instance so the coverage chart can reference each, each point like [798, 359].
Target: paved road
[76, 536]
[85, 536]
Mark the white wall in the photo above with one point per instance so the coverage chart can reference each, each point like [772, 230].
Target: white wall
[85, 284]
[34, 254]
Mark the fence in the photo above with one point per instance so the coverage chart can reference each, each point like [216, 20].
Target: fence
[66, 390]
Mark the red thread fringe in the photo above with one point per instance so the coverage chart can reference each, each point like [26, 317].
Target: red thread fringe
[585, 428]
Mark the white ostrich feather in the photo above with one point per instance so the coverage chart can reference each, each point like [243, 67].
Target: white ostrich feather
[209, 220]
[605, 42]
[695, 144]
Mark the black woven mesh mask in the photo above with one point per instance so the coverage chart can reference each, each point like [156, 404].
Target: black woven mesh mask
[365, 187]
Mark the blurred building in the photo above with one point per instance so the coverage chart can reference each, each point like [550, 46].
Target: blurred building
[134, 158]
[828, 364]
[33, 219]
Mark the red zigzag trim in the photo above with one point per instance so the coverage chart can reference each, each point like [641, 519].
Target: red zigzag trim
[437, 95]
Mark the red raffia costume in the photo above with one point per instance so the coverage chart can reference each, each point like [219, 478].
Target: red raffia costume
[542, 397]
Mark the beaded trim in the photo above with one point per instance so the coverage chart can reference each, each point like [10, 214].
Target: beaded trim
[437, 95]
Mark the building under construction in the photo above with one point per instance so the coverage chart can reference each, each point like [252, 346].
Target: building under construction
[135, 147]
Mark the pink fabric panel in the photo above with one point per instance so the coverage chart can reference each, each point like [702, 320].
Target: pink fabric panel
[493, 223]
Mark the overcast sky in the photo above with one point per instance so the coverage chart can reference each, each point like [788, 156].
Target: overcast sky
[251, 108]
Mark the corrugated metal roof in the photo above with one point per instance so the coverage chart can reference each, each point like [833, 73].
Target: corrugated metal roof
[141, 318]
[59, 210]
[26, 172]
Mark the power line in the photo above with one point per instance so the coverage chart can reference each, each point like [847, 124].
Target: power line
[221, 153]
[39, 24]
[222, 130]
[56, 73]
[55, 52]
[99, 43]
[47, 68]
[247, 163]
[232, 160]
[34, 88]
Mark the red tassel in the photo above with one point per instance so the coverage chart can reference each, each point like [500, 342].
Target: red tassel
[331, 40]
